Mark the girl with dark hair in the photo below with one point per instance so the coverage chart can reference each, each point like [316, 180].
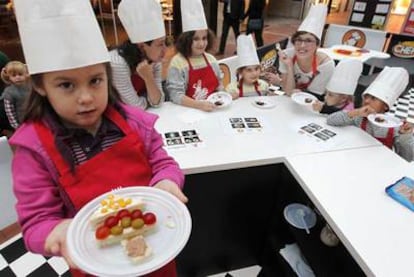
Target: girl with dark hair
[136, 64]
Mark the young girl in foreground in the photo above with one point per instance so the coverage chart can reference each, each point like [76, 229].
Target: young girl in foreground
[193, 74]
[248, 71]
[75, 131]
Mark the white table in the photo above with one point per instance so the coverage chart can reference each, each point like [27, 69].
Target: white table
[223, 150]
[345, 179]
[348, 187]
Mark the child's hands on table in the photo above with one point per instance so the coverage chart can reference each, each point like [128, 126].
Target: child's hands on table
[406, 128]
[172, 188]
[206, 106]
[317, 105]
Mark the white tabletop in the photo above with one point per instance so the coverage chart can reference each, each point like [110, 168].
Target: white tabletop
[223, 149]
[362, 56]
[348, 187]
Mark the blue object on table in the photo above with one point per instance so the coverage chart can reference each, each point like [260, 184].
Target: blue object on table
[403, 192]
[294, 212]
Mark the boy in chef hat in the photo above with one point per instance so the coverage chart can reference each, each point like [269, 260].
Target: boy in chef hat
[136, 64]
[193, 74]
[303, 67]
[75, 129]
[341, 87]
[248, 71]
[379, 98]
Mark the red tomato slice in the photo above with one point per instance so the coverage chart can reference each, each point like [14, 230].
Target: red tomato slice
[102, 232]
[111, 221]
[136, 214]
[123, 213]
[149, 218]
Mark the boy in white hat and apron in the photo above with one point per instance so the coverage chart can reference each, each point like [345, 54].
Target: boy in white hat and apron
[193, 73]
[248, 71]
[378, 98]
[75, 129]
[302, 67]
[136, 64]
[341, 87]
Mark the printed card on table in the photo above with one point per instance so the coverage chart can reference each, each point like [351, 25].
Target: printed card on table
[317, 132]
[184, 139]
[245, 125]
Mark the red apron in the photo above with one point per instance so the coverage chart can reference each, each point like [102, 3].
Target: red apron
[138, 83]
[304, 86]
[387, 141]
[204, 78]
[256, 87]
[98, 174]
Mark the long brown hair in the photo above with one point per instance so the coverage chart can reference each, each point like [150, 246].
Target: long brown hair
[36, 104]
[185, 40]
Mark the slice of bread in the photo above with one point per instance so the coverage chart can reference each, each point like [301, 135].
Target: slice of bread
[131, 256]
[127, 234]
[112, 205]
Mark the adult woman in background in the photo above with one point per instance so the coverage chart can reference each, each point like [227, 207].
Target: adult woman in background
[303, 67]
[255, 23]
[136, 64]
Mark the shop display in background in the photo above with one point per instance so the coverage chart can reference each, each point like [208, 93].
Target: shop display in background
[371, 14]
[408, 27]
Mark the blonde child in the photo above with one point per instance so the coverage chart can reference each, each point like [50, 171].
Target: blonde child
[248, 71]
[75, 129]
[15, 75]
[340, 88]
[193, 74]
[378, 98]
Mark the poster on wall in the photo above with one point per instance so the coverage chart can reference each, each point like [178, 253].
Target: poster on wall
[409, 23]
[370, 13]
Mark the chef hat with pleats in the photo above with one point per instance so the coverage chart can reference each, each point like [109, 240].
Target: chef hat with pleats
[142, 19]
[389, 85]
[193, 17]
[59, 35]
[246, 51]
[315, 20]
[345, 77]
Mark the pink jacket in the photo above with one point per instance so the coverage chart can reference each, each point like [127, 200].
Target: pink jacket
[40, 204]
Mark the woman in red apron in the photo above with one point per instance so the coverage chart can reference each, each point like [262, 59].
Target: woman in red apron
[301, 65]
[193, 74]
[77, 141]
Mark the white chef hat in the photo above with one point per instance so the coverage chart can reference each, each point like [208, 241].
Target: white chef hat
[59, 35]
[388, 85]
[345, 77]
[142, 19]
[193, 17]
[315, 20]
[246, 51]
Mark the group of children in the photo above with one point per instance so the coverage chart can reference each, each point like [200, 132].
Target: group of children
[74, 127]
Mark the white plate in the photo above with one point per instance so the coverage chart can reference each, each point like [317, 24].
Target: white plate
[166, 241]
[263, 103]
[303, 98]
[220, 97]
[388, 121]
[276, 90]
[293, 215]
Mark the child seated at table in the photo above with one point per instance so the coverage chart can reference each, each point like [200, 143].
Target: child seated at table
[340, 88]
[248, 71]
[378, 98]
[193, 74]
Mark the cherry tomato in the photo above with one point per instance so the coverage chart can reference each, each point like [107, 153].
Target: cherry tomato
[102, 232]
[123, 213]
[111, 221]
[149, 218]
[136, 214]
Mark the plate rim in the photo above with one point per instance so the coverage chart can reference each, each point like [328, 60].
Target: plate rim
[387, 116]
[221, 93]
[285, 210]
[294, 95]
[130, 190]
